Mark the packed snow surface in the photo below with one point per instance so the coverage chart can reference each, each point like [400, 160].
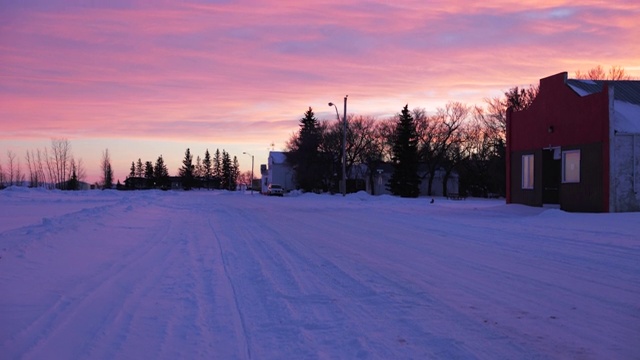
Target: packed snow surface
[216, 275]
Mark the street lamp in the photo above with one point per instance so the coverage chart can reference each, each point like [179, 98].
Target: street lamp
[246, 153]
[343, 182]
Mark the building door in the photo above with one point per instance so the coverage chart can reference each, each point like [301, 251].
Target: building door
[551, 175]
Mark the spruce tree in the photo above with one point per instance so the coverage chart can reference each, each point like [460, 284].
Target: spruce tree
[304, 156]
[217, 168]
[132, 171]
[208, 170]
[148, 174]
[108, 177]
[161, 173]
[235, 173]
[404, 180]
[139, 168]
[186, 171]
[73, 183]
[198, 169]
[225, 181]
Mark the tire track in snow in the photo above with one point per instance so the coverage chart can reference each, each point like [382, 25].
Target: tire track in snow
[381, 298]
[277, 305]
[150, 268]
[241, 326]
[91, 298]
[323, 306]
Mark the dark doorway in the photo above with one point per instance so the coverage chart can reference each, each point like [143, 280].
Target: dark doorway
[551, 176]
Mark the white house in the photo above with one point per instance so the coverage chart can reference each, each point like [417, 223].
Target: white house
[277, 171]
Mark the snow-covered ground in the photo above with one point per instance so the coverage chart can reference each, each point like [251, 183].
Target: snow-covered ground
[214, 275]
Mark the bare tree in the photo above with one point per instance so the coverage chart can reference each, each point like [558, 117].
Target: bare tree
[598, 73]
[15, 175]
[493, 117]
[39, 168]
[38, 175]
[32, 166]
[59, 161]
[437, 135]
[48, 168]
[11, 164]
[78, 165]
[521, 98]
[362, 142]
[427, 128]
[385, 133]
[245, 178]
[2, 177]
[53, 167]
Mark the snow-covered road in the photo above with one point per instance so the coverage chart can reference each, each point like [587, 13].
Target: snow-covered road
[202, 275]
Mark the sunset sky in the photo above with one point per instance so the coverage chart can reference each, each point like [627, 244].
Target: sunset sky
[148, 78]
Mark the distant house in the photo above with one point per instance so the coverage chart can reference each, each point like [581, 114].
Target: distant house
[70, 185]
[277, 171]
[135, 183]
[577, 146]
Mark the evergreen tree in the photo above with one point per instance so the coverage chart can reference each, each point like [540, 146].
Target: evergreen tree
[186, 171]
[161, 173]
[198, 172]
[139, 168]
[73, 183]
[404, 180]
[225, 181]
[235, 173]
[108, 179]
[304, 153]
[132, 171]
[217, 168]
[148, 174]
[207, 167]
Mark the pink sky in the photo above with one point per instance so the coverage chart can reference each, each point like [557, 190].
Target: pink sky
[145, 78]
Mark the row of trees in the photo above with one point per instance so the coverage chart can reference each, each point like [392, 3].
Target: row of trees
[55, 167]
[469, 140]
[50, 167]
[217, 172]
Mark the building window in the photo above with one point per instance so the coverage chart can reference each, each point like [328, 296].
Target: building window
[527, 171]
[571, 166]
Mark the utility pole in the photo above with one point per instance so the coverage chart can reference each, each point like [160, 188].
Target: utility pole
[343, 182]
[344, 148]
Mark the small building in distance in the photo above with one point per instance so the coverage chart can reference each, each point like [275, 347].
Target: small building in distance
[277, 171]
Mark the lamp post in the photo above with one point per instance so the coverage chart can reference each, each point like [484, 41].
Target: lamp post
[246, 153]
[343, 182]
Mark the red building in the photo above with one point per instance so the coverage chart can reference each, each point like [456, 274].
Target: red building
[577, 145]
